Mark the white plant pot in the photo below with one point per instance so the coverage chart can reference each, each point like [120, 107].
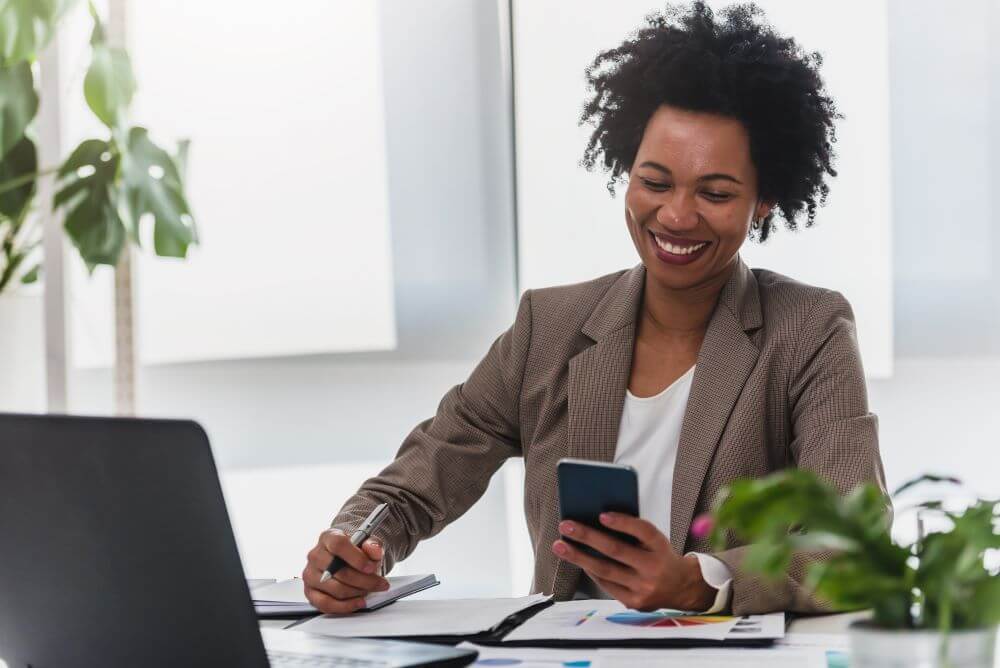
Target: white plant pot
[22, 353]
[872, 646]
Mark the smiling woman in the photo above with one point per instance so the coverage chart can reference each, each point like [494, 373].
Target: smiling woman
[690, 367]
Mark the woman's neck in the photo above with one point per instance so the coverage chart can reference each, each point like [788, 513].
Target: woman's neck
[679, 314]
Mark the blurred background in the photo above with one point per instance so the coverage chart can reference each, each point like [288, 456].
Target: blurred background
[376, 183]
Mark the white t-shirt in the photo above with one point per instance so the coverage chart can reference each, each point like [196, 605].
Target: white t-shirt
[648, 436]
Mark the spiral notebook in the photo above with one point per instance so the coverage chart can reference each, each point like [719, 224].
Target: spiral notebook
[287, 598]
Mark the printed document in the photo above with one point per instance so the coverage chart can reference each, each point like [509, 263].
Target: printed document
[596, 619]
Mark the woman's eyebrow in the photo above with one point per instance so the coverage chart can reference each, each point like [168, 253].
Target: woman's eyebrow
[705, 177]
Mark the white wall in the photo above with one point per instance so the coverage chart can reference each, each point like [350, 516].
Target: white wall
[286, 178]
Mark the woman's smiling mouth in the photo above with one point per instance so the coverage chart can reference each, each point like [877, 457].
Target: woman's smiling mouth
[677, 251]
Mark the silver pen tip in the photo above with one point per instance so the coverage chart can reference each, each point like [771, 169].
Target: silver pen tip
[323, 578]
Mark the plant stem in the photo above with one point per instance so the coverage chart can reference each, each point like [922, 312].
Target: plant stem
[944, 625]
[19, 181]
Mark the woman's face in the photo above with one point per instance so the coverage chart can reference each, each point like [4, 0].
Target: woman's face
[692, 195]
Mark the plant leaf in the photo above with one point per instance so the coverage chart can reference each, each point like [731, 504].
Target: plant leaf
[32, 275]
[925, 478]
[985, 601]
[20, 161]
[89, 193]
[153, 185]
[110, 83]
[18, 104]
[26, 26]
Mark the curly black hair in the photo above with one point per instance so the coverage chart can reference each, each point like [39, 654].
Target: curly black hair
[734, 65]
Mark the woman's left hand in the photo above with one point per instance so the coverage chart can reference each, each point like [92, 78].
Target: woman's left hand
[646, 576]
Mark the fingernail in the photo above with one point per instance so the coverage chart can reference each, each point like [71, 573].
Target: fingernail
[560, 548]
[607, 518]
[384, 586]
[567, 527]
[360, 604]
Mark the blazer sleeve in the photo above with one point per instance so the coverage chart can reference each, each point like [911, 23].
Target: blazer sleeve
[446, 462]
[833, 434]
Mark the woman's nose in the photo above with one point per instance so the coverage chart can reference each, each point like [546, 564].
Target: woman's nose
[678, 214]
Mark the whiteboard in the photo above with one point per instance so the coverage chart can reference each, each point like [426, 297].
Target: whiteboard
[570, 229]
[287, 180]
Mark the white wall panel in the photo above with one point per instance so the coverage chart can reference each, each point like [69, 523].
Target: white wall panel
[570, 229]
[285, 111]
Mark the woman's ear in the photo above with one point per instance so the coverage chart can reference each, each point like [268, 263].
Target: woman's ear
[763, 209]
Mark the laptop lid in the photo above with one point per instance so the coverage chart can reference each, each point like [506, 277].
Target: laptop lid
[117, 548]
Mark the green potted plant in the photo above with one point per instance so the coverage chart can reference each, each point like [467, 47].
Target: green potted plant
[108, 188]
[934, 602]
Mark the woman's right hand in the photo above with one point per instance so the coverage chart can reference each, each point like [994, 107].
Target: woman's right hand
[346, 591]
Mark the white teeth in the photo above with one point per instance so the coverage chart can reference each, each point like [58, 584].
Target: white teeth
[677, 250]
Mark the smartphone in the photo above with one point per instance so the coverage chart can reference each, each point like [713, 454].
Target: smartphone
[587, 489]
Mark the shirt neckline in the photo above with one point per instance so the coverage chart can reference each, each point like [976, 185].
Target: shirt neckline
[666, 390]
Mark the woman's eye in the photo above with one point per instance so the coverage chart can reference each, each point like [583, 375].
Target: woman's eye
[655, 185]
[716, 197]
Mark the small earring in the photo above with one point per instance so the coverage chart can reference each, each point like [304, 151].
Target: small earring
[757, 222]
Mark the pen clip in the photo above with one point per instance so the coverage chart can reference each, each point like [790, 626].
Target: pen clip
[375, 519]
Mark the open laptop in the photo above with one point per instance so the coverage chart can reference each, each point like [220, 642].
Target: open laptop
[116, 550]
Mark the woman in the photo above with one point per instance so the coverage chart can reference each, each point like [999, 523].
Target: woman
[690, 366]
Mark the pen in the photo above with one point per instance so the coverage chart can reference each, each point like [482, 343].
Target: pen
[362, 534]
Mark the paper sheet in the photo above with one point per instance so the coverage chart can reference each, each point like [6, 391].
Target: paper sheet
[834, 645]
[286, 591]
[610, 620]
[825, 641]
[256, 583]
[530, 657]
[423, 618]
[777, 657]
[759, 627]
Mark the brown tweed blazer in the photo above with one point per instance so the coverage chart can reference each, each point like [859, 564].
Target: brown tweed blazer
[778, 383]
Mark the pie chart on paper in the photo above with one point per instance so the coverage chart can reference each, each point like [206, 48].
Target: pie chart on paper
[661, 618]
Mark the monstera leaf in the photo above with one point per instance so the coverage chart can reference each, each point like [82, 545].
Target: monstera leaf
[18, 104]
[110, 84]
[153, 186]
[89, 194]
[20, 162]
[26, 26]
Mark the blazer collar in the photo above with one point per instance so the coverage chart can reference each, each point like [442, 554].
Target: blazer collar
[619, 307]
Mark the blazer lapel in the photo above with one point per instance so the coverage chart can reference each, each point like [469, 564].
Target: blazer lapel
[598, 378]
[726, 358]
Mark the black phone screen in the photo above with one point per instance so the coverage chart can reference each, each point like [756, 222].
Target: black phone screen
[587, 489]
